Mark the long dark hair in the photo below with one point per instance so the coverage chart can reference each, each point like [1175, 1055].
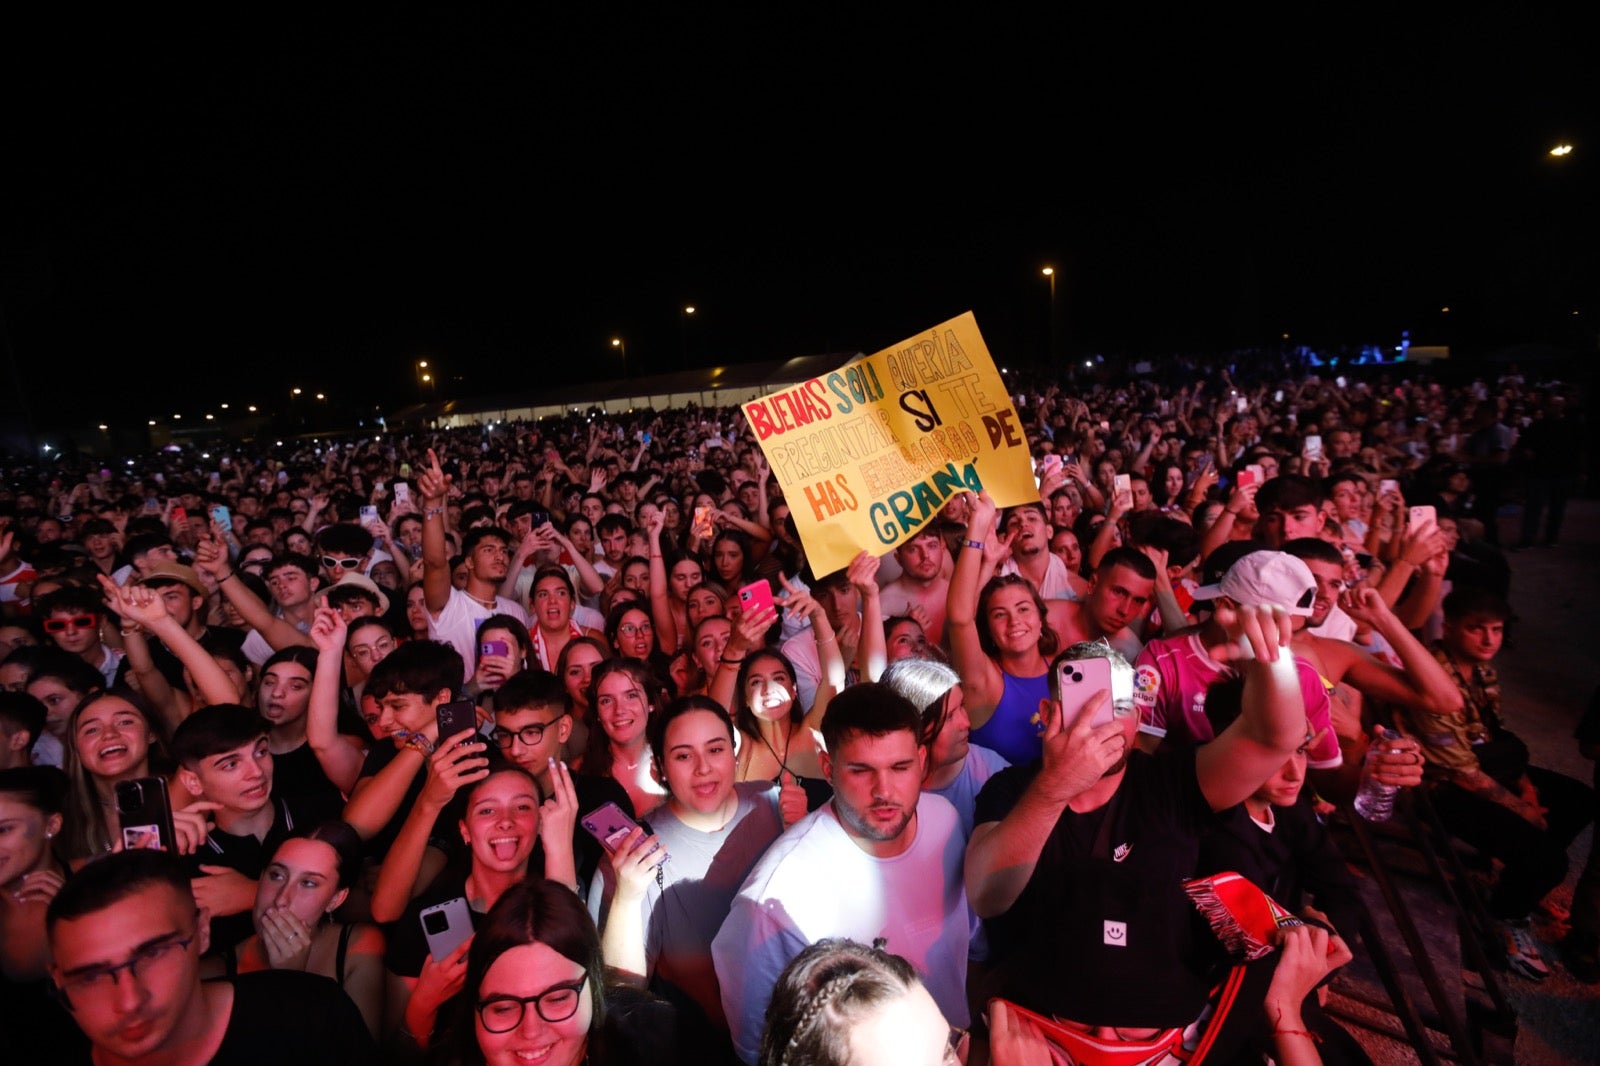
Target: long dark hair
[597, 757]
[743, 716]
[1048, 641]
[535, 911]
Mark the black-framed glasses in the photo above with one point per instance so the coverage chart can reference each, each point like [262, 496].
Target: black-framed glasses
[101, 979]
[501, 1014]
[333, 563]
[528, 734]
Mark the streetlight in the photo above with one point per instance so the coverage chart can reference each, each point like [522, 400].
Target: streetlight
[1050, 275]
[617, 343]
[683, 329]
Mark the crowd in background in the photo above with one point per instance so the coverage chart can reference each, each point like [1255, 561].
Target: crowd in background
[270, 632]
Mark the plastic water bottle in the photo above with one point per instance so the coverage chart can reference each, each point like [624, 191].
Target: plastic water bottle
[1375, 800]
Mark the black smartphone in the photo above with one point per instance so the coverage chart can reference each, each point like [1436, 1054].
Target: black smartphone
[456, 716]
[145, 811]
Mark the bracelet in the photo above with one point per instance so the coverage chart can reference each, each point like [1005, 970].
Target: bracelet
[821, 642]
[729, 662]
[1313, 1037]
[431, 512]
[129, 631]
[225, 577]
[420, 743]
[974, 544]
[658, 555]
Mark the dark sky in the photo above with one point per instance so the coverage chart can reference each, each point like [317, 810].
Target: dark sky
[215, 208]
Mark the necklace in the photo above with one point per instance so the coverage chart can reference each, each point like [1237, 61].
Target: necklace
[781, 760]
[490, 603]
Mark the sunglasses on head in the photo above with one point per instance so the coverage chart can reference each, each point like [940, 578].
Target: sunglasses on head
[347, 564]
[77, 621]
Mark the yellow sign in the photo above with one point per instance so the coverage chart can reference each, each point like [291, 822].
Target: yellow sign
[868, 454]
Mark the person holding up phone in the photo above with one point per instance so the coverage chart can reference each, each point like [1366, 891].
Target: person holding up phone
[502, 821]
[658, 916]
[1080, 854]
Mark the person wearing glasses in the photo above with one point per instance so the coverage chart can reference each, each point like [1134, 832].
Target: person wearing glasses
[72, 618]
[344, 549]
[126, 940]
[536, 992]
[532, 723]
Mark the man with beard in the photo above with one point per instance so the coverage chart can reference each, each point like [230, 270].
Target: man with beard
[881, 860]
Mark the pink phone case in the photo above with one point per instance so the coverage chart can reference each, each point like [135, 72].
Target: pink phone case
[1075, 683]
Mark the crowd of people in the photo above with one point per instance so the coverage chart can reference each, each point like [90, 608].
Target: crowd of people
[544, 743]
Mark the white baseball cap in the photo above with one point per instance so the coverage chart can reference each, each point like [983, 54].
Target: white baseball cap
[1266, 579]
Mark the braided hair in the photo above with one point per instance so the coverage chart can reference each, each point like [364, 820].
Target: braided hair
[821, 993]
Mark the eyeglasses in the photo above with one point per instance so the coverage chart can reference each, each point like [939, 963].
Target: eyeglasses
[528, 734]
[77, 621]
[347, 564]
[501, 1014]
[97, 980]
[628, 629]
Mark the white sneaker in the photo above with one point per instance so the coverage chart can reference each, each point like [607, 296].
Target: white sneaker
[1522, 952]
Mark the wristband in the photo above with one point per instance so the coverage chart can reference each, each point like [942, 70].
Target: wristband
[420, 743]
[1313, 1037]
[225, 577]
[431, 512]
[974, 544]
[729, 662]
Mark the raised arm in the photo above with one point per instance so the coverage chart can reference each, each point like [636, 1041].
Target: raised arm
[433, 485]
[666, 623]
[872, 650]
[1272, 722]
[211, 557]
[339, 758]
[1422, 683]
[981, 679]
[144, 606]
[459, 761]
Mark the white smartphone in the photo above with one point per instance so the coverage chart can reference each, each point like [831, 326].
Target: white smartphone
[1388, 485]
[1122, 483]
[402, 496]
[1313, 448]
[446, 927]
[1422, 515]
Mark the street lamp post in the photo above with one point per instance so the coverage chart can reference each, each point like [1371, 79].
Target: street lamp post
[1050, 275]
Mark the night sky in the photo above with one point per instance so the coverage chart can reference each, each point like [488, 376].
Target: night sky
[208, 210]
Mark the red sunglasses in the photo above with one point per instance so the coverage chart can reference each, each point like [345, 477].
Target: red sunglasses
[77, 621]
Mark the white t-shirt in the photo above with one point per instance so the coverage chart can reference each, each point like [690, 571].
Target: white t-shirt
[457, 625]
[815, 882]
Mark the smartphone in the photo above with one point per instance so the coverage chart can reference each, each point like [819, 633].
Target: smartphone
[1203, 461]
[1277, 397]
[1122, 483]
[702, 527]
[755, 598]
[369, 513]
[222, 517]
[1074, 682]
[283, 477]
[402, 495]
[1313, 449]
[405, 469]
[1241, 405]
[610, 826]
[145, 811]
[1422, 515]
[1388, 484]
[1339, 381]
[180, 517]
[446, 927]
[538, 518]
[1248, 477]
[490, 647]
[455, 717]
[1255, 471]
[1048, 464]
